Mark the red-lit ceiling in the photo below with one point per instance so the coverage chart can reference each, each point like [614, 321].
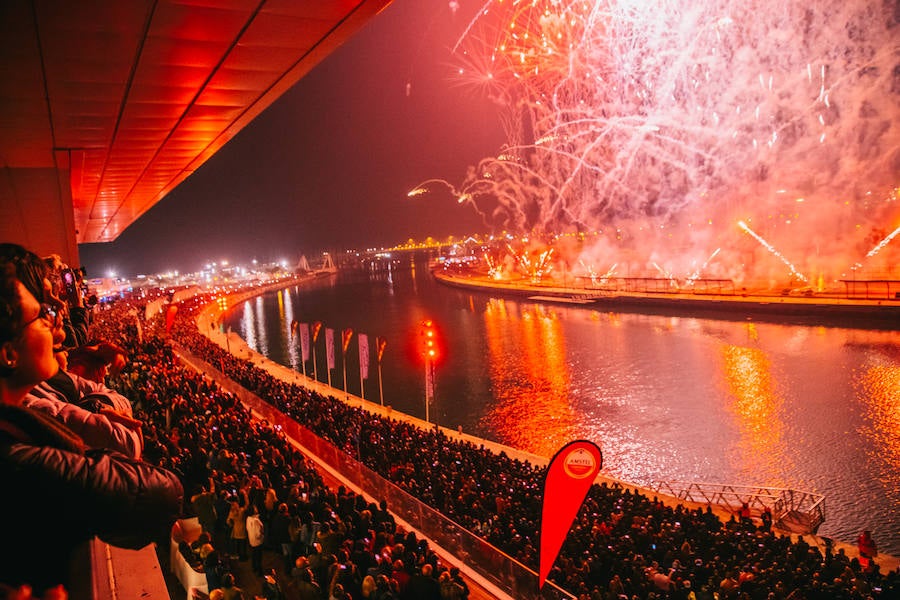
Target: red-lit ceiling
[137, 94]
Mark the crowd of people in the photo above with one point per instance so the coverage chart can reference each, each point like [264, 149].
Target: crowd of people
[168, 432]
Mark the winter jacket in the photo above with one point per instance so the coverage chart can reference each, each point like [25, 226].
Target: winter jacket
[58, 494]
[96, 430]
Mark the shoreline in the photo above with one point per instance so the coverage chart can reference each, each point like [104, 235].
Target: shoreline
[238, 347]
[882, 313]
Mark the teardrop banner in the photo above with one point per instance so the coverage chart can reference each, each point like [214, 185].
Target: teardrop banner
[569, 477]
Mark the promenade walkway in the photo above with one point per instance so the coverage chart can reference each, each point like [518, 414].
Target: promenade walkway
[238, 347]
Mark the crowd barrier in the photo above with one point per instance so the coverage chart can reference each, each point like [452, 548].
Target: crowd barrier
[491, 563]
[186, 530]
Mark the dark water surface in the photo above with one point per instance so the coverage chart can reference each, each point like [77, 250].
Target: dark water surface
[667, 398]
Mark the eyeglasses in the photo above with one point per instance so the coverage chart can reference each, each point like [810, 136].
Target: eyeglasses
[46, 312]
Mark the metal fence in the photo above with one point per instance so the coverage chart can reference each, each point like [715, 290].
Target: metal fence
[803, 509]
[491, 563]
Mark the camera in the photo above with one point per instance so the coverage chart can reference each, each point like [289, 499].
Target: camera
[70, 284]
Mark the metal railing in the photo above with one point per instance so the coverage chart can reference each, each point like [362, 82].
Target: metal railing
[801, 511]
[492, 564]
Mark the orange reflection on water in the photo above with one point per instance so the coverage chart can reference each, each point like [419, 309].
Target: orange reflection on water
[761, 451]
[530, 377]
[880, 388]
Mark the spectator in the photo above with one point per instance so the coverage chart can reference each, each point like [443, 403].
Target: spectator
[255, 537]
[237, 522]
[126, 502]
[203, 503]
[96, 361]
[450, 590]
[423, 585]
[230, 590]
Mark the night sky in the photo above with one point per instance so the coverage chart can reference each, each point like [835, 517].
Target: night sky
[329, 164]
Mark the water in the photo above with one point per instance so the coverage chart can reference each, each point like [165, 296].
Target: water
[672, 398]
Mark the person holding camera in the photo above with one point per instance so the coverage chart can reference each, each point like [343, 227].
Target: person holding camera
[43, 463]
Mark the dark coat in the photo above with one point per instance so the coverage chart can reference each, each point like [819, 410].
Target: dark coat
[57, 495]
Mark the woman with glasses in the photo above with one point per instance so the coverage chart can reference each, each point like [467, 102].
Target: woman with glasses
[64, 396]
[57, 492]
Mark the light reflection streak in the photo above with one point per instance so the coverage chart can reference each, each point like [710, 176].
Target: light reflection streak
[530, 377]
[879, 392]
[761, 452]
[287, 317]
[248, 323]
[259, 316]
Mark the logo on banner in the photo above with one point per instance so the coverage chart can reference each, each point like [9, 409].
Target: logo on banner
[579, 463]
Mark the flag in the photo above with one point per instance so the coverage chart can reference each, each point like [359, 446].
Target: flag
[329, 347]
[363, 340]
[380, 343]
[315, 330]
[304, 341]
[345, 336]
[569, 477]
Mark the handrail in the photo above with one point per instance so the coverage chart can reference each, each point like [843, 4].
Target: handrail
[783, 503]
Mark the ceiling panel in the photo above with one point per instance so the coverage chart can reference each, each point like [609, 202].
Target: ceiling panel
[145, 91]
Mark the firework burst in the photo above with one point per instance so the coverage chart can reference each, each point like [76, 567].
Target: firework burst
[660, 115]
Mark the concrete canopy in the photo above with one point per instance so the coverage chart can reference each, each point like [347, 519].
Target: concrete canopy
[107, 105]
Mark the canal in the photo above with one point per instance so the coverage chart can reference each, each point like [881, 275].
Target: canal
[667, 398]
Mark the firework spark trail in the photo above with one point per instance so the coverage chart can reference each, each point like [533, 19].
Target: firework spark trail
[619, 112]
[775, 252]
[698, 272]
[883, 243]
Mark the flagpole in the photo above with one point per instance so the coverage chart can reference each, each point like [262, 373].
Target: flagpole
[428, 379]
[302, 362]
[380, 386]
[380, 344]
[315, 336]
[315, 364]
[344, 364]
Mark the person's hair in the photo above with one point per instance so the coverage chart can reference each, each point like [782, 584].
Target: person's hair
[29, 268]
[10, 306]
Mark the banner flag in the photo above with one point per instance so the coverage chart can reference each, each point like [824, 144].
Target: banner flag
[363, 340]
[304, 341]
[315, 330]
[380, 343]
[329, 346]
[569, 477]
[346, 335]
